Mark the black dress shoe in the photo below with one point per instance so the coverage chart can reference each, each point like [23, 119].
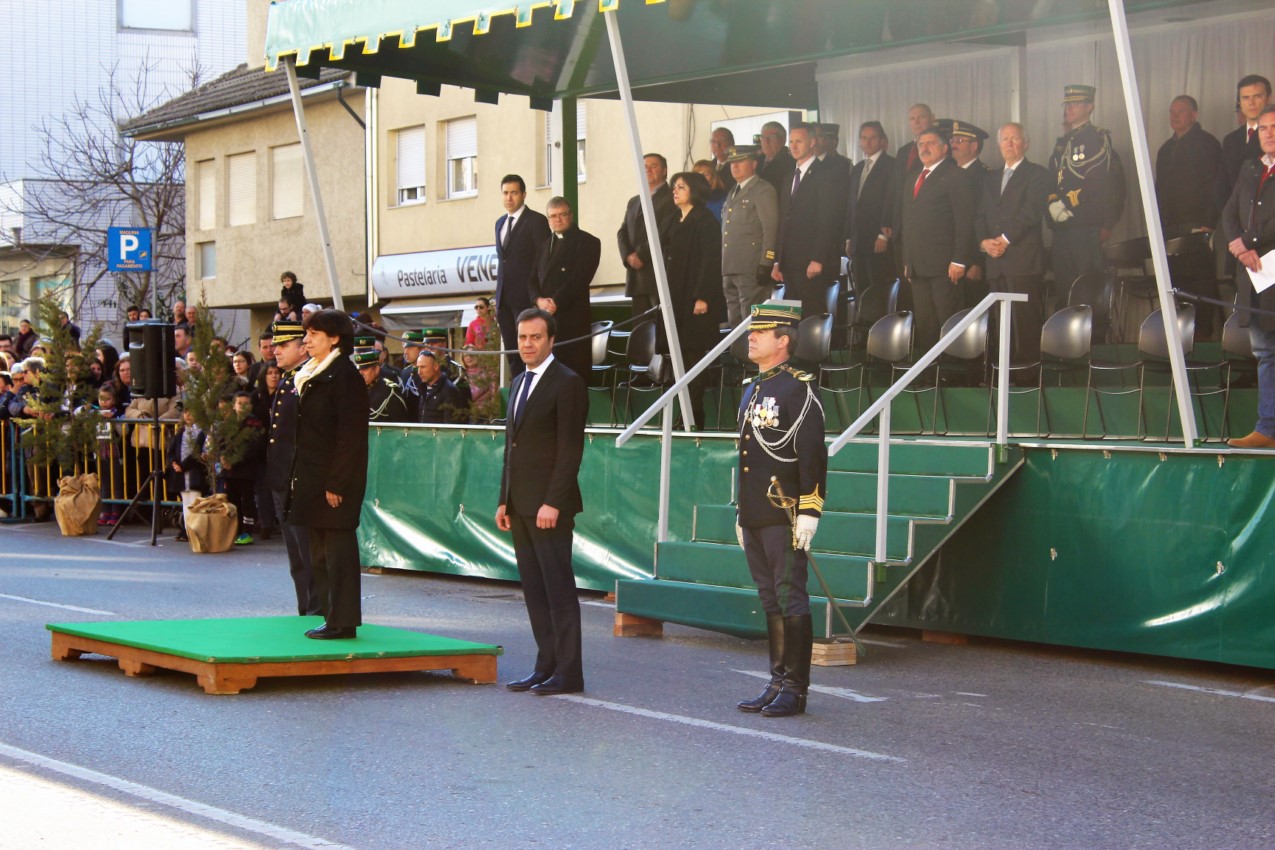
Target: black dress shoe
[527, 683]
[326, 632]
[555, 685]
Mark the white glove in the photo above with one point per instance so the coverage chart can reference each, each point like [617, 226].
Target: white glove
[739, 535]
[1058, 212]
[806, 526]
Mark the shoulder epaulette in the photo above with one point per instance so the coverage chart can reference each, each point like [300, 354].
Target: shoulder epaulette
[798, 373]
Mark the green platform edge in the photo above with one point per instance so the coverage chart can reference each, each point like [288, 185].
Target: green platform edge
[238, 640]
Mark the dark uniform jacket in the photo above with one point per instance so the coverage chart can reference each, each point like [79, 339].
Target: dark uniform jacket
[835, 169]
[441, 403]
[632, 239]
[385, 402]
[1016, 214]
[1250, 214]
[331, 449]
[1088, 179]
[1185, 177]
[781, 435]
[282, 431]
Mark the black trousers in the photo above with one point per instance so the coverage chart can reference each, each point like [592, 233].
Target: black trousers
[509, 338]
[812, 292]
[778, 570]
[296, 539]
[334, 556]
[549, 588]
[242, 494]
[1075, 250]
[1025, 319]
[934, 301]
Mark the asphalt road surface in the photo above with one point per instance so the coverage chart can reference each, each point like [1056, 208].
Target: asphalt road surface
[988, 745]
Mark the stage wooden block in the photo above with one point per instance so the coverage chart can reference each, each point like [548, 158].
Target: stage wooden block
[948, 638]
[631, 625]
[832, 653]
[229, 656]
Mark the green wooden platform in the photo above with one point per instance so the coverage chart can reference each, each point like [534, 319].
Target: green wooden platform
[229, 655]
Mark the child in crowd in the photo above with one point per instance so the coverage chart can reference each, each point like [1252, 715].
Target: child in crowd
[185, 462]
[110, 467]
[291, 292]
[237, 475]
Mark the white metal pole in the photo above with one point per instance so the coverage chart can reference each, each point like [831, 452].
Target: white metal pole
[1002, 386]
[648, 211]
[307, 155]
[883, 482]
[1151, 212]
[666, 474]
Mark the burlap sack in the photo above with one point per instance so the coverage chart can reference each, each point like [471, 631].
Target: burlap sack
[211, 524]
[77, 504]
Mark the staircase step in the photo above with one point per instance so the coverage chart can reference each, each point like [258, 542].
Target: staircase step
[729, 610]
[910, 495]
[839, 533]
[725, 566]
[975, 459]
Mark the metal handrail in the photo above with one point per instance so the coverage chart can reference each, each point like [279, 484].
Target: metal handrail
[664, 403]
[881, 407]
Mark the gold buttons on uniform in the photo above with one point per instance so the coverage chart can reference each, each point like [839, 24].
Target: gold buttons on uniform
[745, 469]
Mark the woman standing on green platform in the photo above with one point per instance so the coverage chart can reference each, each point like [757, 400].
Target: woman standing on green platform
[329, 468]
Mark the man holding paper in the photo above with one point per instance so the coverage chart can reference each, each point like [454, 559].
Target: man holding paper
[1249, 222]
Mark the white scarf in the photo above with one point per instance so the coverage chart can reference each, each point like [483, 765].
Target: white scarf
[314, 367]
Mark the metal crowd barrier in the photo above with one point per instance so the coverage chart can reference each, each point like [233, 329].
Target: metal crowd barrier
[121, 458]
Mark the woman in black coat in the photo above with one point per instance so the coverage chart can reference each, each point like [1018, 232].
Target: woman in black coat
[329, 468]
[693, 255]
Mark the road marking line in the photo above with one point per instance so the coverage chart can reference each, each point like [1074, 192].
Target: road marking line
[154, 795]
[969, 694]
[844, 693]
[77, 558]
[58, 605]
[1215, 691]
[735, 730]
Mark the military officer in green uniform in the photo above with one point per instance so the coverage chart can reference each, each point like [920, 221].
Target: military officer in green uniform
[1089, 191]
[782, 453]
[384, 398]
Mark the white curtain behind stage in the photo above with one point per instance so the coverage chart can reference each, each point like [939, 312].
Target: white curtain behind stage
[1202, 58]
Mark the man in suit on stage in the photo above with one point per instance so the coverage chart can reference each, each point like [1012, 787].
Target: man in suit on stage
[519, 234]
[776, 162]
[1251, 96]
[1248, 225]
[559, 284]
[808, 256]
[720, 141]
[936, 225]
[834, 169]
[639, 273]
[539, 498]
[920, 118]
[874, 191]
[1008, 228]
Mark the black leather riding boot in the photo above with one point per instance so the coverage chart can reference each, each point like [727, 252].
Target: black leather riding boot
[798, 642]
[775, 636]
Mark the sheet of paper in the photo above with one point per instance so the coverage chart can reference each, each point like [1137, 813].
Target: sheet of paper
[1264, 279]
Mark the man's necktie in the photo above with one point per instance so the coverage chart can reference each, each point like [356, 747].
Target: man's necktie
[863, 177]
[1266, 175]
[509, 229]
[1249, 139]
[1009, 172]
[796, 179]
[916, 190]
[523, 391]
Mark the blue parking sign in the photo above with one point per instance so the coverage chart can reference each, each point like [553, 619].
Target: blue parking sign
[128, 249]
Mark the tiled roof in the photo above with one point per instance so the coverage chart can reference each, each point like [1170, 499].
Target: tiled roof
[233, 88]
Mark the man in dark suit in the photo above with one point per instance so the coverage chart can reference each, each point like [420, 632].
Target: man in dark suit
[1251, 96]
[920, 118]
[1248, 222]
[1008, 228]
[834, 169]
[776, 163]
[808, 255]
[539, 498]
[559, 284]
[966, 142]
[720, 141]
[936, 224]
[519, 234]
[639, 274]
[874, 191]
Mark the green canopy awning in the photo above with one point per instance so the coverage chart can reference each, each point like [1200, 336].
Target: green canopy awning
[746, 52]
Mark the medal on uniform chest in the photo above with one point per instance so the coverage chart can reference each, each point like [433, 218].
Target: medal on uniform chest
[765, 413]
[1078, 155]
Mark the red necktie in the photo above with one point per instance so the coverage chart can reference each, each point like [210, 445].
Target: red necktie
[1266, 175]
[916, 190]
[1249, 140]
